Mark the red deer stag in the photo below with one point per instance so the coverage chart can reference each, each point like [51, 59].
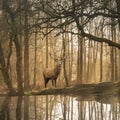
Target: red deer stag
[52, 74]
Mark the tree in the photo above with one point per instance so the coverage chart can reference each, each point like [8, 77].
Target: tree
[26, 46]
[5, 73]
[10, 15]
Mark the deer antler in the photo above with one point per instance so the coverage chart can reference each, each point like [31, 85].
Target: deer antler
[52, 57]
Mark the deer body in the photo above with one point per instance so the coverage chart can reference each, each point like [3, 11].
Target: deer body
[52, 74]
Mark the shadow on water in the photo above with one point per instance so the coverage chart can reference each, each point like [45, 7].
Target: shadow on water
[60, 107]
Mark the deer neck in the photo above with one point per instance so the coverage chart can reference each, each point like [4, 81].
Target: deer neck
[57, 70]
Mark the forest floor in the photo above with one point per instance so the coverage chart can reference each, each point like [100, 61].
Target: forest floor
[105, 88]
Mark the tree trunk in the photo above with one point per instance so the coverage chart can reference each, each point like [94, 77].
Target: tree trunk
[112, 57]
[80, 60]
[5, 73]
[35, 58]
[26, 51]
[88, 76]
[64, 63]
[46, 48]
[19, 65]
[71, 59]
[101, 63]
[14, 37]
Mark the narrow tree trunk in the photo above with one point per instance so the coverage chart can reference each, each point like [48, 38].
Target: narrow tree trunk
[71, 59]
[47, 98]
[46, 48]
[26, 51]
[101, 63]
[88, 62]
[35, 58]
[112, 55]
[26, 64]
[80, 60]
[101, 54]
[116, 59]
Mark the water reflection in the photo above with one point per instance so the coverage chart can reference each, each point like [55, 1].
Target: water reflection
[60, 108]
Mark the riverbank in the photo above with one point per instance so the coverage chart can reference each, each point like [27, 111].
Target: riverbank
[105, 88]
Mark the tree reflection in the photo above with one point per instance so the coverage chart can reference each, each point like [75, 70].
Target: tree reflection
[18, 108]
[26, 108]
[4, 112]
[47, 107]
[59, 107]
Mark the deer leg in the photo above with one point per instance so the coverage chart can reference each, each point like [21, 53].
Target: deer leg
[55, 83]
[52, 82]
[46, 81]
[45, 84]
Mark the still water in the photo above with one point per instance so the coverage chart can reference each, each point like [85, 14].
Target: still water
[60, 107]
